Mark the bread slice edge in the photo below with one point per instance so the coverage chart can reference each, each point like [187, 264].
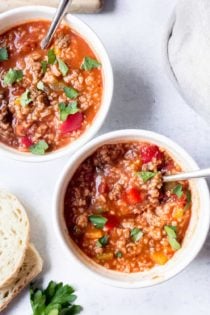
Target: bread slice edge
[30, 269]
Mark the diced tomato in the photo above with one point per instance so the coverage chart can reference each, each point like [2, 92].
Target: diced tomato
[112, 222]
[103, 188]
[133, 196]
[148, 152]
[26, 141]
[72, 123]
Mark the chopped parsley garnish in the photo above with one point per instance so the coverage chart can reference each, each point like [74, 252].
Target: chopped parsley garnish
[172, 236]
[51, 56]
[44, 66]
[13, 76]
[118, 254]
[97, 220]
[136, 234]
[56, 299]
[3, 54]
[90, 63]
[66, 110]
[25, 98]
[103, 241]
[40, 86]
[178, 191]
[70, 92]
[146, 175]
[62, 67]
[39, 148]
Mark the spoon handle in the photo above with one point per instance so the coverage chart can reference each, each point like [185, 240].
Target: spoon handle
[62, 8]
[188, 175]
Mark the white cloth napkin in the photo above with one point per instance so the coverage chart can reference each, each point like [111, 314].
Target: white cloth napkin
[189, 53]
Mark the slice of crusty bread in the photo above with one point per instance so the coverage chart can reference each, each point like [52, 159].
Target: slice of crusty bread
[14, 237]
[31, 267]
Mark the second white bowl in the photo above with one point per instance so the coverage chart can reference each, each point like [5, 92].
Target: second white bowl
[195, 235]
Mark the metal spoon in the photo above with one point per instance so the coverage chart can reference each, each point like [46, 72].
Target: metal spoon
[188, 175]
[61, 11]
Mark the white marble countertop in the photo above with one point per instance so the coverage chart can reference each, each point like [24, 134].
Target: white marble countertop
[132, 32]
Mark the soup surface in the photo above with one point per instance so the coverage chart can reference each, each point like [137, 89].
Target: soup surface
[121, 214]
[48, 98]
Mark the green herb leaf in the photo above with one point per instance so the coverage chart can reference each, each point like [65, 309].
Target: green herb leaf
[25, 98]
[3, 54]
[73, 310]
[38, 300]
[170, 231]
[178, 191]
[44, 66]
[118, 254]
[51, 56]
[97, 220]
[90, 63]
[172, 236]
[40, 86]
[57, 299]
[174, 243]
[39, 148]
[13, 76]
[66, 110]
[62, 67]
[146, 175]
[103, 241]
[136, 234]
[70, 92]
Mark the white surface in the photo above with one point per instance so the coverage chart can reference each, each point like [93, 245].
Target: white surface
[144, 98]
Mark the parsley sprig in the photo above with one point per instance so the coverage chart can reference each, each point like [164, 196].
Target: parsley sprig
[89, 63]
[172, 236]
[3, 54]
[56, 299]
[39, 148]
[145, 176]
[66, 110]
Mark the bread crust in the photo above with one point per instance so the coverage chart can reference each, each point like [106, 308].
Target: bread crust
[14, 202]
[30, 268]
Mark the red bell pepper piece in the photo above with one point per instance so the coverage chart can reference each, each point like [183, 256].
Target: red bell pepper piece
[112, 222]
[26, 141]
[133, 196]
[72, 123]
[148, 152]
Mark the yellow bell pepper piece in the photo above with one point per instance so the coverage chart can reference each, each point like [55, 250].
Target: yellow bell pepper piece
[57, 51]
[93, 234]
[159, 258]
[105, 256]
[17, 101]
[178, 213]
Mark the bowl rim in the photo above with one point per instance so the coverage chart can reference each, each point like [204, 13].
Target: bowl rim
[97, 45]
[93, 145]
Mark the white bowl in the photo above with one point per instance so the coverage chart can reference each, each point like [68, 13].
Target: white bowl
[23, 14]
[195, 235]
